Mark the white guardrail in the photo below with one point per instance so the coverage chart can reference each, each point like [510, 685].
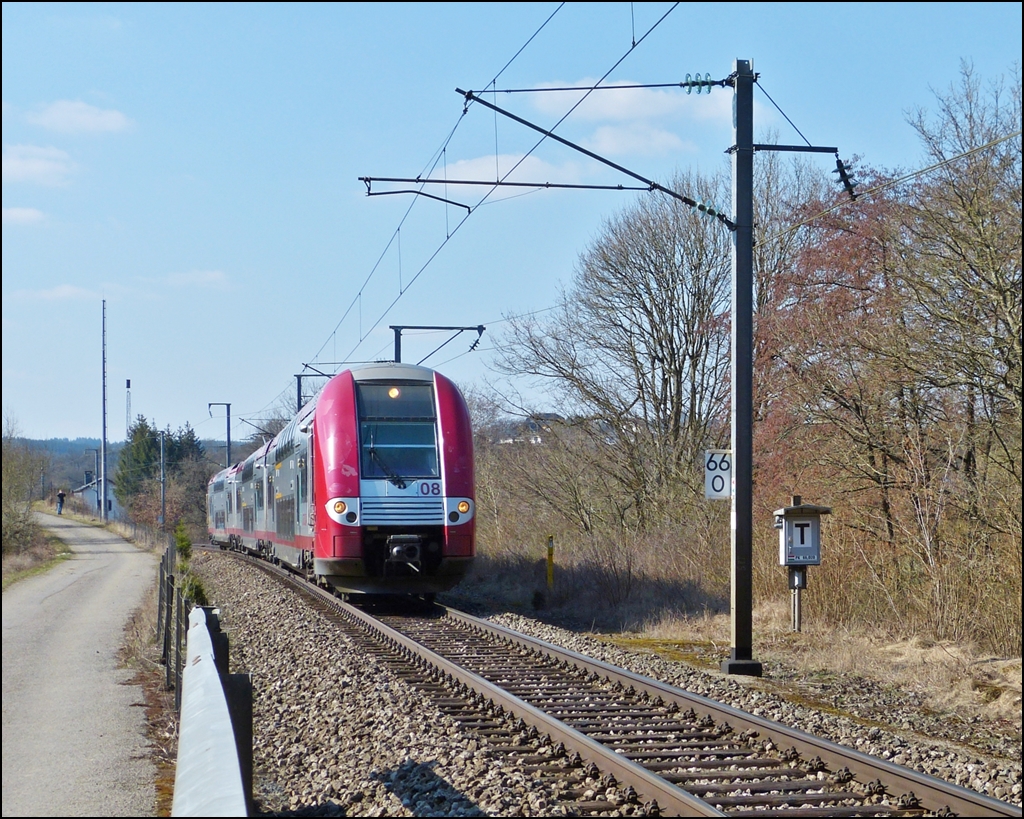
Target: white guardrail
[210, 777]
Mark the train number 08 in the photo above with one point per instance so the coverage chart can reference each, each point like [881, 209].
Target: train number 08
[430, 488]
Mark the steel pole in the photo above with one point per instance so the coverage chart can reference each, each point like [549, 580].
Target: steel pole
[103, 439]
[741, 653]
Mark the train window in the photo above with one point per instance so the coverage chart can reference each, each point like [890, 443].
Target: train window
[398, 436]
[395, 401]
[398, 449]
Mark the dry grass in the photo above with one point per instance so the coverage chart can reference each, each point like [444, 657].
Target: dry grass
[141, 653]
[950, 677]
[681, 620]
[46, 550]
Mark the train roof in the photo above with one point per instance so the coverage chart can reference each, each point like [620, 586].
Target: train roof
[389, 370]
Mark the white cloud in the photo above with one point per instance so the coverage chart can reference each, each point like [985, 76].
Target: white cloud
[32, 163]
[212, 279]
[76, 117]
[22, 216]
[636, 138]
[62, 292]
[635, 104]
[531, 169]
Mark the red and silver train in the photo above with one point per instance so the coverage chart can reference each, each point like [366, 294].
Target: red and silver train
[369, 488]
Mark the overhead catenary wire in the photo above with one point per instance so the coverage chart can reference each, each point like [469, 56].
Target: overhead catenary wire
[891, 183]
[438, 157]
[758, 85]
[428, 168]
[486, 195]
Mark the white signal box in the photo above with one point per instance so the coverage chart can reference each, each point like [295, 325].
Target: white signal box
[800, 533]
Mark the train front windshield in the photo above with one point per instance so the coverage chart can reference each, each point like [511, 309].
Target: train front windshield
[397, 431]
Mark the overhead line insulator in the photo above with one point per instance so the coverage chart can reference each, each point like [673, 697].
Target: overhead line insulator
[698, 83]
[844, 176]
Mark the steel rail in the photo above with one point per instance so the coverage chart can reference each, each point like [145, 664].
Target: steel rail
[933, 793]
[930, 793]
[670, 799]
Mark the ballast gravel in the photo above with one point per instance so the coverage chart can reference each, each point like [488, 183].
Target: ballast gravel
[883, 722]
[336, 733]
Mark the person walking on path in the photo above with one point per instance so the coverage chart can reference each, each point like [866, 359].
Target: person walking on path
[60, 501]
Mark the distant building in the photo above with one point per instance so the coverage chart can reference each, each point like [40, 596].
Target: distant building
[89, 493]
[530, 431]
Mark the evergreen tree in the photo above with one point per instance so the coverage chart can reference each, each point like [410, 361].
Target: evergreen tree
[182, 446]
[139, 461]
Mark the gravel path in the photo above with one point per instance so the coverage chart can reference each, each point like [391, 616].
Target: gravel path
[338, 734]
[74, 744]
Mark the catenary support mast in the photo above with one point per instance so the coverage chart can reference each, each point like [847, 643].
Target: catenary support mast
[741, 653]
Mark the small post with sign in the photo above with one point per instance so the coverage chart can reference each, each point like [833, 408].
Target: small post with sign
[799, 528]
[551, 562]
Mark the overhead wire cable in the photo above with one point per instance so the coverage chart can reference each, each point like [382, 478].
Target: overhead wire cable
[523, 159]
[623, 87]
[579, 102]
[891, 183]
[761, 87]
[428, 168]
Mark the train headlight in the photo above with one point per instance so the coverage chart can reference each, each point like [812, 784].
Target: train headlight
[458, 510]
[343, 510]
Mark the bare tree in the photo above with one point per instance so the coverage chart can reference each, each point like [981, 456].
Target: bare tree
[21, 471]
[900, 339]
[962, 262]
[637, 351]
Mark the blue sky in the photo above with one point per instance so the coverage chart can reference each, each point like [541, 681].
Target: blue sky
[196, 166]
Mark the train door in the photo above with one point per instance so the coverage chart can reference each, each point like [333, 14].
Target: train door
[311, 491]
[271, 500]
[301, 489]
[260, 507]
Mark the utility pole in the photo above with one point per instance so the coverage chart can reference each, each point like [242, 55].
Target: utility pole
[95, 474]
[741, 653]
[103, 440]
[163, 485]
[228, 406]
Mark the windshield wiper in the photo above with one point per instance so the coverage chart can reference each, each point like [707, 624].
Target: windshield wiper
[393, 477]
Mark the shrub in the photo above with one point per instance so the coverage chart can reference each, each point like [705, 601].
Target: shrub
[182, 541]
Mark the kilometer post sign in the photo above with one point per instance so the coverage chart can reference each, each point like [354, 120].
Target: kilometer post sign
[718, 474]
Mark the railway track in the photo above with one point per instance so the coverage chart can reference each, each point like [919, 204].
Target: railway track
[620, 742]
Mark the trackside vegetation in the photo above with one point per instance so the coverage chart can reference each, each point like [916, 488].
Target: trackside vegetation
[887, 386]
